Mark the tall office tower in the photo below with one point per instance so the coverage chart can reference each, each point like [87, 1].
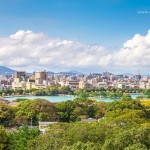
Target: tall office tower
[137, 77]
[41, 78]
[20, 75]
[19, 80]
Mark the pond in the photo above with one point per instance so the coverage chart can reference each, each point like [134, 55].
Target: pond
[63, 98]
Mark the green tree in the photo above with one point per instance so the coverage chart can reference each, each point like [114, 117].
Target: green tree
[65, 110]
[3, 138]
[136, 146]
[79, 113]
[3, 94]
[100, 109]
[19, 139]
[43, 110]
[37, 110]
[6, 113]
[66, 90]
[23, 112]
[147, 92]
[134, 137]
[82, 146]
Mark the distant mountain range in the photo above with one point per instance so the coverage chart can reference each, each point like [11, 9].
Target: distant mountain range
[71, 72]
[50, 72]
[127, 74]
[6, 70]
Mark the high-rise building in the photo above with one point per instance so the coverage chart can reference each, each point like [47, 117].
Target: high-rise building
[19, 80]
[41, 78]
[137, 77]
[21, 75]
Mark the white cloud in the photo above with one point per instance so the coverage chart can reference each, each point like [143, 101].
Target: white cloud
[135, 52]
[27, 50]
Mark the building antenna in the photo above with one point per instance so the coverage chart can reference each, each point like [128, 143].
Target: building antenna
[140, 67]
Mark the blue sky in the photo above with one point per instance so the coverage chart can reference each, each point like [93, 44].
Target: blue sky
[105, 22]
[92, 23]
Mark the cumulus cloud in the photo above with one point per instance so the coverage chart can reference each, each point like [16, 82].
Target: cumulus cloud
[27, 50]
[134, 52]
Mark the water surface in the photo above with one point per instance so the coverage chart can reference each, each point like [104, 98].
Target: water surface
[63, 98]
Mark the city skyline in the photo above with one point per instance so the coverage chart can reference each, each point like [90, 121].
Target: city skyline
[88, 36]
[4, 71]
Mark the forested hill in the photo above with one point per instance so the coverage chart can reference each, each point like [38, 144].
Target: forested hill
[5, 70]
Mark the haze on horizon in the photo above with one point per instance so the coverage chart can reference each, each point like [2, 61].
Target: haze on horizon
[87, 35]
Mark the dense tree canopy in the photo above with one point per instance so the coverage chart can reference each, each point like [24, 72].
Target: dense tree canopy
[6, 113]
[34, 110]
[19, 138]
[123, 124]
[96, 136]
[3, 138]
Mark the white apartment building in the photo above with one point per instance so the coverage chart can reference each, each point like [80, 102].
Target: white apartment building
[1, 87]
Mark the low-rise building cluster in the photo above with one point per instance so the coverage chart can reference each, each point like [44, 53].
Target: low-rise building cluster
[42, 79]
